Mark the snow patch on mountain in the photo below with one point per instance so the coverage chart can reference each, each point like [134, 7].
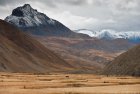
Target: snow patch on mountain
[111, 34]
[86, 31]
[26, 16]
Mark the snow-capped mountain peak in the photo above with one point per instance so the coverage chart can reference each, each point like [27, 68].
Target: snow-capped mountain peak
[107, 34]
[111, 34]
[24, 11]
[26, 16]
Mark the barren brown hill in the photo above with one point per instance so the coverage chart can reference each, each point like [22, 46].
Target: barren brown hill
[87, 51]
[127, 63]
[21, 53]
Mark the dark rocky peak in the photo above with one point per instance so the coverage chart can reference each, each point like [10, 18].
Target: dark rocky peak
[26, 16]
[25, 10]
[27, 6]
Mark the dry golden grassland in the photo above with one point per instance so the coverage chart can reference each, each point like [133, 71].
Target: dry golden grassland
[26, 83]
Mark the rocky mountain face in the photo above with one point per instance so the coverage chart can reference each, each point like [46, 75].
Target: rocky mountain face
[26, 16]
[127, 63]
[36, 23]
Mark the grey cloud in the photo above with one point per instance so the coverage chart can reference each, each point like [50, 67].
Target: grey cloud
[47, 2]
[10, 2]
[56, 3]
[72, 2]
[4, 2]
[125, 13]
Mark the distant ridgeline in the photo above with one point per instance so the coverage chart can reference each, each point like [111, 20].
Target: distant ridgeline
[132, 36]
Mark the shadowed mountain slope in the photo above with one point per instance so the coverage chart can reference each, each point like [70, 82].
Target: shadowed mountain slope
[21, 53]
[127, 63]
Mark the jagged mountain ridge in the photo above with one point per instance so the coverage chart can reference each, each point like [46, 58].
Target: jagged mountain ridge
[26, 16]
[30, 20]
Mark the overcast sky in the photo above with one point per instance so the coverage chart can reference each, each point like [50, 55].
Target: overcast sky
[120, 15]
